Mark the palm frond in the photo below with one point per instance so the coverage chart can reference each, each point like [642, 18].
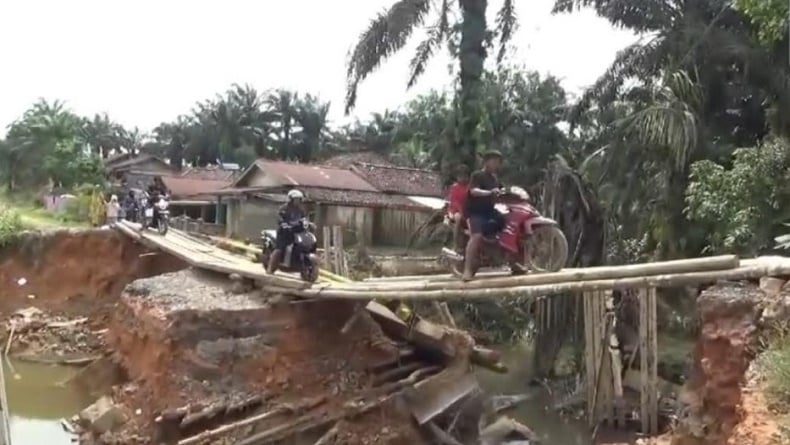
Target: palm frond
[640, 17]
[673, 126]
[436, 35]
[387, 33]
[641, 60]
[506, 24]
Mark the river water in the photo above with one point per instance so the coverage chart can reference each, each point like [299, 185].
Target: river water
[550, 427]
[38, 399]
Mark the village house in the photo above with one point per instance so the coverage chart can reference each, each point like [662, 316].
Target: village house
[376, 204]
[127, 169]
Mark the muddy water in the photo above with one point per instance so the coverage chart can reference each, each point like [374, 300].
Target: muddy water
[549, 426]
[38, 399]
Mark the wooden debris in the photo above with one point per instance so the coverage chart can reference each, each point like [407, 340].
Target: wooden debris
[280, 410]
[442, 436]
[329, 436]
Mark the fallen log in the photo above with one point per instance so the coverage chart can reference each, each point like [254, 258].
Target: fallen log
[277, 411]
[670, 280]
[723, 262]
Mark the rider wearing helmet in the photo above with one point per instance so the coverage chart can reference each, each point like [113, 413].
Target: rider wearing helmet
[290, 217]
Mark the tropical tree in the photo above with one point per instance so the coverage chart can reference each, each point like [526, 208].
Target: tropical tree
[48, 143]
[770, 16]
[467, 38]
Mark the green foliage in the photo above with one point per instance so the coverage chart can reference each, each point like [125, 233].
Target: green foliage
[504, 321]
[770, 17]
[10, 224]
[775, 362]
[742, 206]
[48, 144]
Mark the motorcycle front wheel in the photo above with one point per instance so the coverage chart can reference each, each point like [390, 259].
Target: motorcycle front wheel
[546, 250]
[309, 272]
[162, 226]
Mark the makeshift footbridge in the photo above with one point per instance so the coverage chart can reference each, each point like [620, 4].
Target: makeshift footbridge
[592, 287]
[201, 254]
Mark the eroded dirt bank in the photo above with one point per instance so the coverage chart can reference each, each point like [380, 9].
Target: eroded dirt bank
[719, 405]
[187, 355]
[58, 289]
[73, 270]
[188, 342]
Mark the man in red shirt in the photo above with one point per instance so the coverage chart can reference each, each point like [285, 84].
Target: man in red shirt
[456, 196]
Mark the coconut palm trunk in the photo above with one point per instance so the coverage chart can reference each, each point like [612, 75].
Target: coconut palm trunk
[472, 57]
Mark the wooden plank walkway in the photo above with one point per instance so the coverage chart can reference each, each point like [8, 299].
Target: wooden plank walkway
[201, 254]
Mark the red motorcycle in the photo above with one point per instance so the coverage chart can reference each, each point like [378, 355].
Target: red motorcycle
[537, 241]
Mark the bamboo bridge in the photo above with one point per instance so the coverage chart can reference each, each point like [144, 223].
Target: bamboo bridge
[593, 285]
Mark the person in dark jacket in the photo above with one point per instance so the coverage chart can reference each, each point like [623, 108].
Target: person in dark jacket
[290, 218]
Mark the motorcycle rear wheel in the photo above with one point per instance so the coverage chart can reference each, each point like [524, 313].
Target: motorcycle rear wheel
[546, 249]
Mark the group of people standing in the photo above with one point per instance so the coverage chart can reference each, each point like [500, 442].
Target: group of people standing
[115, 210]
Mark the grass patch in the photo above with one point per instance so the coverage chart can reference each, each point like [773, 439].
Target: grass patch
[775, 365]
[10, 225]
[35, 217]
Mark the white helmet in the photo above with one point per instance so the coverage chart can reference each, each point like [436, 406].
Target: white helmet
[295, 194]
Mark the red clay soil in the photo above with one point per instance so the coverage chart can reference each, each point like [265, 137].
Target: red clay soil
[163, 350]
[713, 398]
[72, 271]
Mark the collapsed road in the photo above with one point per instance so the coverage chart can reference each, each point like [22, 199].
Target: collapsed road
[189, 357]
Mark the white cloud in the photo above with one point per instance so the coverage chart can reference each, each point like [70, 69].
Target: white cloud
[147, 61]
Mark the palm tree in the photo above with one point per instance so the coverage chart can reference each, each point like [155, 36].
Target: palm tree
[390, 30]
[281, 103]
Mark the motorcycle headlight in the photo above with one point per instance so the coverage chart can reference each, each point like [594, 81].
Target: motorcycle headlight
[162, 205]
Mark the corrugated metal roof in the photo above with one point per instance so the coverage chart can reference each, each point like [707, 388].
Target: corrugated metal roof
[309, 175]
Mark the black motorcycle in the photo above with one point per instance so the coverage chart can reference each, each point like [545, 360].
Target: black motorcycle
[299, 256]
[159, 217]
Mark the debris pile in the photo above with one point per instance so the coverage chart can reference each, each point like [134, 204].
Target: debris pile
[33, 335]
[209, 364]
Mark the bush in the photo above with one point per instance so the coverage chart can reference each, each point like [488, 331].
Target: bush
[742, 207]
[775, 362]
[10, 225]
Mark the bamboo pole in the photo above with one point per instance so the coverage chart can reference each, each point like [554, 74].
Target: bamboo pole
[669, 280]
[589, 353]
[648, 355]
[327, 235]
[723, 262]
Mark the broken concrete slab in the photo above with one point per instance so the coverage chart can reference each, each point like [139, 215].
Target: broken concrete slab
[102, 416]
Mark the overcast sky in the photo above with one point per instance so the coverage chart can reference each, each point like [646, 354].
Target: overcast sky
[147, 61]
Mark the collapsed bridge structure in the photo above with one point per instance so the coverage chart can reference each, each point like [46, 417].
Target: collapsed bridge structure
[593, 285]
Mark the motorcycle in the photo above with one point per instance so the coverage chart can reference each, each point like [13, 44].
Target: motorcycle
[299, 256]
[162, 218]
[538, 241]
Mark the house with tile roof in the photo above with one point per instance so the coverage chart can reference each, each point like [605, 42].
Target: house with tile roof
[376, 204]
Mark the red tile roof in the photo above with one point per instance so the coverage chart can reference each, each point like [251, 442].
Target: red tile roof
[310, 175]
[400, 180]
